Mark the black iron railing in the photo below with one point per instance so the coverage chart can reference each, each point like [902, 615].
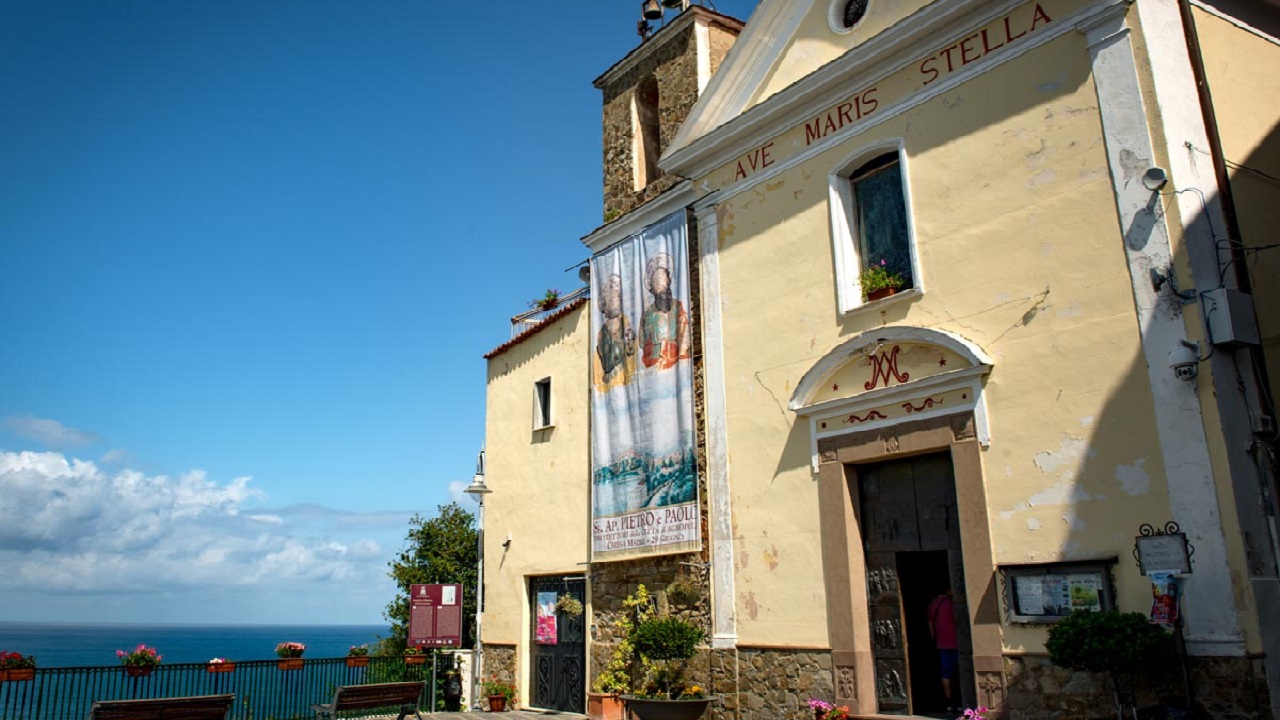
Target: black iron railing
[263, 691]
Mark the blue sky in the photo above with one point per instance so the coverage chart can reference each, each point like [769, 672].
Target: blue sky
[252, 254]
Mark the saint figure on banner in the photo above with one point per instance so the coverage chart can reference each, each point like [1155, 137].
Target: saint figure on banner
[616, 342]
[664, 327]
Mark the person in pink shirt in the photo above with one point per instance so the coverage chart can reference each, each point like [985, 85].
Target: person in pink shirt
[942, 628]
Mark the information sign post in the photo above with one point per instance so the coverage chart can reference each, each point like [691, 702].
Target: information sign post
[435, 616]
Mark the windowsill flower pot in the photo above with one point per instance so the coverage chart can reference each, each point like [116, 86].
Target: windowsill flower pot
[878, 281]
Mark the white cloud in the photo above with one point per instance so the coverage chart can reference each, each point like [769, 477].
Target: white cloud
[50, 433]
[456, 490]
[69, 526]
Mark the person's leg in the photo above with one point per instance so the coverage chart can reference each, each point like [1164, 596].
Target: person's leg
[950, 665]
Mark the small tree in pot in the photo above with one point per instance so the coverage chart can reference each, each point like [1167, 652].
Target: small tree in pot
[1122, 645]
[665, 644]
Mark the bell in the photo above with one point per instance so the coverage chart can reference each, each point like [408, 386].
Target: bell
[652, 11]
[674, 3]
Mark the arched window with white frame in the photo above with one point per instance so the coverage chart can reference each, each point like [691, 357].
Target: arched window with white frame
[872, 234]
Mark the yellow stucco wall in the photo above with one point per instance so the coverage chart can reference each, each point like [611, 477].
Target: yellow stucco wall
[1074, 465]
[815, 45]
[1241, 70]
[539, 478]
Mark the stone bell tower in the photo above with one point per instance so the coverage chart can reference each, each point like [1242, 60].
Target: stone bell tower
[648, 94]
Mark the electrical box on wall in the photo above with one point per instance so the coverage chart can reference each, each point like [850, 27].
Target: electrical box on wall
[1230, 317]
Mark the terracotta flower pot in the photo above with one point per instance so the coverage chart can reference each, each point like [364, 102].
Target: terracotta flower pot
[225, 667]
[881, 294]
[290, 664]
[137, 671]
[415, 659]
[497, 703]
[604, 706]
[21, 674]
[358, 661]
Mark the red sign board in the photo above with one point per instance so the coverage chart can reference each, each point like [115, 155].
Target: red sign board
[435, 615]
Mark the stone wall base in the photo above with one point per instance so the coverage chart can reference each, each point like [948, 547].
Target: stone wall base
[500, 663]
[1228, 688]
[769, 683]
[776, 684]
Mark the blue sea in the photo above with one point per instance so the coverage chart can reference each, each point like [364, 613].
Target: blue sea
[79, 645]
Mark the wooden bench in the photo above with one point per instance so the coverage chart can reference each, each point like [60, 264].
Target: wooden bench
[201, 707]
[376, 695]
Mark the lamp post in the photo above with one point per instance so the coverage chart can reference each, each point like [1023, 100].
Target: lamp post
[477, 490]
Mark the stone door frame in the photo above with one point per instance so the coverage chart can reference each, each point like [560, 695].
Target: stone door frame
[844, 567]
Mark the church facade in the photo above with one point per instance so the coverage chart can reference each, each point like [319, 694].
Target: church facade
[963, 300]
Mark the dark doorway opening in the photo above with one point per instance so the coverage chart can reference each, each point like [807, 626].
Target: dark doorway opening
[923, 576]
[911, 540]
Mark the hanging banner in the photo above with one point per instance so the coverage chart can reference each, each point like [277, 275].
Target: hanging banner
[644, 470]
[545, 632]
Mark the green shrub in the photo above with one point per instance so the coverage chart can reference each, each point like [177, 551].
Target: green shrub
[668, 638]
[1110, 641]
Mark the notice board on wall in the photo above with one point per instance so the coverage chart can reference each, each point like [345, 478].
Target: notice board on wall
[1048, 592]
[435, 615]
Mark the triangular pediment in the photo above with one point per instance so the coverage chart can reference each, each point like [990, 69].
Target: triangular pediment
[783, 42]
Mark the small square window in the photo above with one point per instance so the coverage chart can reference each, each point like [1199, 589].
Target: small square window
[542, 404]
[871, 229]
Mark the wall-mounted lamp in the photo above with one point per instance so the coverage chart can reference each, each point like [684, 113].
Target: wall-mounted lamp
[1184, 360]
[1154, 179]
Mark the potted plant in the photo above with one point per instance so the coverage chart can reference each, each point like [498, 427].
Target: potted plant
[16, 667]
[220, 665]
[569, 605]
[548, 301]
[823, 710]
[665, 644]
[605, 703]
[500, 694]
[879, 281]
[290, 654]
[414, 655]
[1116, 643]
[140, 661]
[358, 656]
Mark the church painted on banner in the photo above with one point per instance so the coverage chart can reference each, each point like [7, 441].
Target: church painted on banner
[897, 301]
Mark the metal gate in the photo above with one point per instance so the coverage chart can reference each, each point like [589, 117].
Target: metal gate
[557, 644]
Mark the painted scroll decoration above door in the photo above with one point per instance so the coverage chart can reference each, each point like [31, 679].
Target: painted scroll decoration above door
[889, 376]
